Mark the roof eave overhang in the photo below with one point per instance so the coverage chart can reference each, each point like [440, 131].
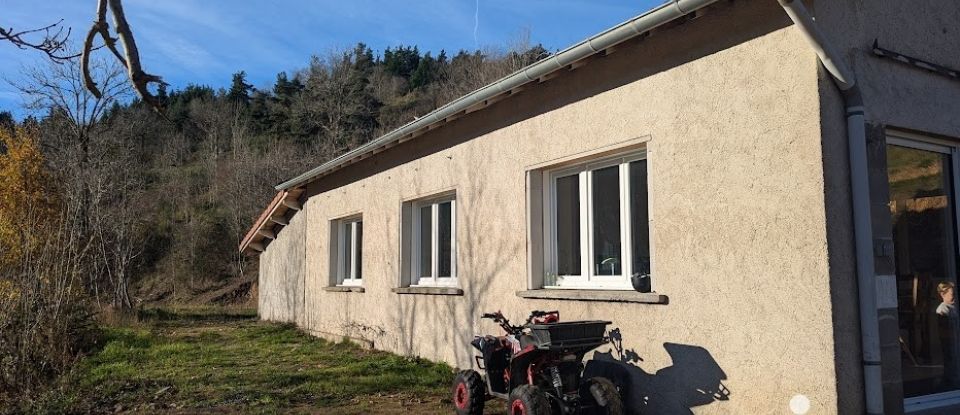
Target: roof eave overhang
[270, 221]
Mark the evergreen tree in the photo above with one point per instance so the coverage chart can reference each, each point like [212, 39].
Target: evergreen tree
[279, 115]
[428, 71]
[363, 59]
[7, 126]
[285, 89]
[401, 61]
[260, 111]
[6, 121]
[240, 89]
[192, 92]
[532, 55]
[178, 109]
[365, 107]
[162, 98]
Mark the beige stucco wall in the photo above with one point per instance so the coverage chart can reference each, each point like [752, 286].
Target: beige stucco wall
[728, 107]
[281, 279]
[896, 94]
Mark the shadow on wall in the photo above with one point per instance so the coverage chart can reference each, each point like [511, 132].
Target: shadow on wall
[694, 379]
[482, 255]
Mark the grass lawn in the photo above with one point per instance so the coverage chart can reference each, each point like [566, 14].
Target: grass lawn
[203, 361]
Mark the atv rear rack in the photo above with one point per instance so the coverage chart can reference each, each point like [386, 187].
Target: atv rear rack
[569, 335]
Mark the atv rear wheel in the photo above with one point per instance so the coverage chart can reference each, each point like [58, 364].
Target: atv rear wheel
[600, 397]
[528, 400]
[469, 393]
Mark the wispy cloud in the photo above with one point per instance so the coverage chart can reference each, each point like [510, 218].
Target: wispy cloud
[182, 52]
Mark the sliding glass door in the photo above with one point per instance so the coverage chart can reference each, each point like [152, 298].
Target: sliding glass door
[922, 176]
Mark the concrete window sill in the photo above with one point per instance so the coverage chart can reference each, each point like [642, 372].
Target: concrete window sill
[429, 290]
[595, 295]
[345, 289]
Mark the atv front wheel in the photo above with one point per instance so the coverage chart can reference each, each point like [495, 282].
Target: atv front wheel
[600, 397]
[469, 393]
[528, 400]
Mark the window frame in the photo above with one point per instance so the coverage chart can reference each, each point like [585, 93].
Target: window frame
[434, 280]
[348, 278]
[584, 171]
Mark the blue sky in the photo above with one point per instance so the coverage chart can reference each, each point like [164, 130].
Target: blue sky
[204, 42]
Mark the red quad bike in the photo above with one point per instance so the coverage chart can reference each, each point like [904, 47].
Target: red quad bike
[537, 368]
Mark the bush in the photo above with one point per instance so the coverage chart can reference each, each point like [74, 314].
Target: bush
[45, 319]
[42, 334]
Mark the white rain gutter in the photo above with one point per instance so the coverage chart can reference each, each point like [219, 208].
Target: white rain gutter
[632, 28]
[860, 189]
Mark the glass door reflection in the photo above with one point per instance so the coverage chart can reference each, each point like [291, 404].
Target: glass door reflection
[923, 212]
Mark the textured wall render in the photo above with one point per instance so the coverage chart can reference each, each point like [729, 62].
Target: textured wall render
[281, 289]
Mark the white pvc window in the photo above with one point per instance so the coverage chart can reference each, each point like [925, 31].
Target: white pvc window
[350, 252]
[596, 232]
[434, 247]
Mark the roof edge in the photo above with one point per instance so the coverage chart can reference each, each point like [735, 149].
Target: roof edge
[273, 215]
[627, 30]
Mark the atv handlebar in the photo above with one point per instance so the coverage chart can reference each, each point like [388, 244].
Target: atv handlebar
[536, 314]
[503, 322]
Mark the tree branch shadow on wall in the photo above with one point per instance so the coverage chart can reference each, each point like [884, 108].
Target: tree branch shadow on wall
[482, 255]
[694, 379]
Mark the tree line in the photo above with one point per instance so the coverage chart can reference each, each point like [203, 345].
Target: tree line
[106, 204]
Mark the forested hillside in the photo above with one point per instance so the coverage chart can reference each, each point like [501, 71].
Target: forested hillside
[106, 204]
[187, 184]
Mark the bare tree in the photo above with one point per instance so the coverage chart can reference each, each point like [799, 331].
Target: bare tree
[93, 164]
[61, 89]
[117, 220]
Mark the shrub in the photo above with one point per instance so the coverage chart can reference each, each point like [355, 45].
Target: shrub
[45, 319]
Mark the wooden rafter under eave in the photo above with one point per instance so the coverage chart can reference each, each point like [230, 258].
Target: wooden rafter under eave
[270, 221]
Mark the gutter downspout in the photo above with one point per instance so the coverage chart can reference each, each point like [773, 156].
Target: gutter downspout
[860, 189]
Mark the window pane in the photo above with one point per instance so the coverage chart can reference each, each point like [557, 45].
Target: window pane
[606, 221]
[568, 225]
[444, 224]
[359, 255]
[922, 212]
[347, 250]
[640, 222]
[426, 241]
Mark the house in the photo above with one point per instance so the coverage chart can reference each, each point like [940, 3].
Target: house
[761, 196]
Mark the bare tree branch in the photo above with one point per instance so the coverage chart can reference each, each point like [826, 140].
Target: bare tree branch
[139, 78]
[53, 43]
[99, 27]
[129, 59]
